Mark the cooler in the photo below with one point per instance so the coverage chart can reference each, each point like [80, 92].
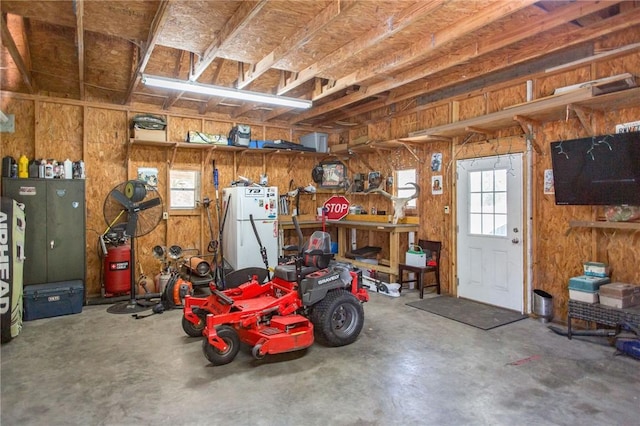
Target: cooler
[53, 299]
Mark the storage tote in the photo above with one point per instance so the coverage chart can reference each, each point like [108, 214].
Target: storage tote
[416, 257]
[587, 283]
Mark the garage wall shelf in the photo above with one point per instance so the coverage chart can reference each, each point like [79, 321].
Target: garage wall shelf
[581, 102]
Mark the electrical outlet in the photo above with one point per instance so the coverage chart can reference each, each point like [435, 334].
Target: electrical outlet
[446, 209]
[165, 215]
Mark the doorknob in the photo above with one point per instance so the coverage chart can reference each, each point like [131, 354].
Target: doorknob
[52, 244]
[515, 241]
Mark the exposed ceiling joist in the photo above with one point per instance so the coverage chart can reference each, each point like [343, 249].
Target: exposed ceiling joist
[79, 10]
[291, 44]
[368, 39]
[159, 21]
[10, 44]
[465, 54]
[242, 18]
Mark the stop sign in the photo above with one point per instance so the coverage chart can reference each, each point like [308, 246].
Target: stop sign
[336, 207]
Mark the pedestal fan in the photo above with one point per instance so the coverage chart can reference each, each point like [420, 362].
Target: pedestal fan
[138, 208]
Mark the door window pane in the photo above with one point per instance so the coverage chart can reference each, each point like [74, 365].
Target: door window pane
[488, 202]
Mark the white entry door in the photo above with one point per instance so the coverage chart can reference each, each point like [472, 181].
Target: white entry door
[490, 234]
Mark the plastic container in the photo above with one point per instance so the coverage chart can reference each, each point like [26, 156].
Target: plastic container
[543, 305]
[587, 283]
[596, 269]
[319, 141]
[23, 167]
[68, 169]
[583, 296]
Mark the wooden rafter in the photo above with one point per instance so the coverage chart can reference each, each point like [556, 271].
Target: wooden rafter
[368, 39]
[293, 43]
[421, 50]
[156, 27]
[213, 101]
[580, 36]
[241, 19]
[79, 10]
[248, 106]
[9, 43]
[177, 71]
[439, 64]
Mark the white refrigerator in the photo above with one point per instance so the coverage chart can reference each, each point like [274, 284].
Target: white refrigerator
[239, 243]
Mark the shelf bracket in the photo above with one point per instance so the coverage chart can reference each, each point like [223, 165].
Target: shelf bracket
[173, 155]
[126, 158]
[355, 154]
[384, 158]
[209, 154]
[528, 124]
[408, 148]
[583, 114]
[292, 161]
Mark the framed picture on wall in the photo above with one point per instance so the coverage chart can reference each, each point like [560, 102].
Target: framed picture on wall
[334, 174]
[436, 185]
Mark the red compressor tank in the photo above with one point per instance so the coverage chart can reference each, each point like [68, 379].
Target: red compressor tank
[117, 272]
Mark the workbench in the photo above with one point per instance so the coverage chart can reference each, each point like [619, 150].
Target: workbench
[389, 266]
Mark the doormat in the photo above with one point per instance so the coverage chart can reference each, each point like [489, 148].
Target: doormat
[468, 312]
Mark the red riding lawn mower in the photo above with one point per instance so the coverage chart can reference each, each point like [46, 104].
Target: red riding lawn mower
[312, 297]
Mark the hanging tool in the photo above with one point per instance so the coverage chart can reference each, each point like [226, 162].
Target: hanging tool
[213, 243]
[263, 250]
[218, 259]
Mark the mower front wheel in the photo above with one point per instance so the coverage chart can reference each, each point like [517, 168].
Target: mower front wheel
[338, 318]
[231, 338]
[256, 351]
[193, 330]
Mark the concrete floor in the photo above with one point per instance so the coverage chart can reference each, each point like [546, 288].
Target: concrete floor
[408, 367]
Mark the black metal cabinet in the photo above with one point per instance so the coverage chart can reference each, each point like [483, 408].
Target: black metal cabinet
[55, 233]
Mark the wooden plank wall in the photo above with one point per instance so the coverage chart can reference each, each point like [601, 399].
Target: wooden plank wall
[99, 134]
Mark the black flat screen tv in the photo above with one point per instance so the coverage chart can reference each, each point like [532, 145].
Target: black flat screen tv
[599, 170]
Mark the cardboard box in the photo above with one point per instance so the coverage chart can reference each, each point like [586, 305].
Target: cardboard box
[340, 148]
[149, 135]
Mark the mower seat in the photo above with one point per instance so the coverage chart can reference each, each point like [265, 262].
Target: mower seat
[319, 242]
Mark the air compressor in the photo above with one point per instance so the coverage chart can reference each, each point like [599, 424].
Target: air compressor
[117, 275]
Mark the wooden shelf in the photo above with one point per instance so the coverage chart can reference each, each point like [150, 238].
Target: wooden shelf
[174, 146]
[603, 224]
[552, 108]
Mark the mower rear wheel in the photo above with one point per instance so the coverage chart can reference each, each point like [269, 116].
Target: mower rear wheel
[231, 338]
[193, 330]
[338, 318]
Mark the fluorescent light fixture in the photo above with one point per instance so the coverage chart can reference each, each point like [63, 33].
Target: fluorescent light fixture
[225, 92]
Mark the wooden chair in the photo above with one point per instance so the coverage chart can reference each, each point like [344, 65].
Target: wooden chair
[433, 247]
